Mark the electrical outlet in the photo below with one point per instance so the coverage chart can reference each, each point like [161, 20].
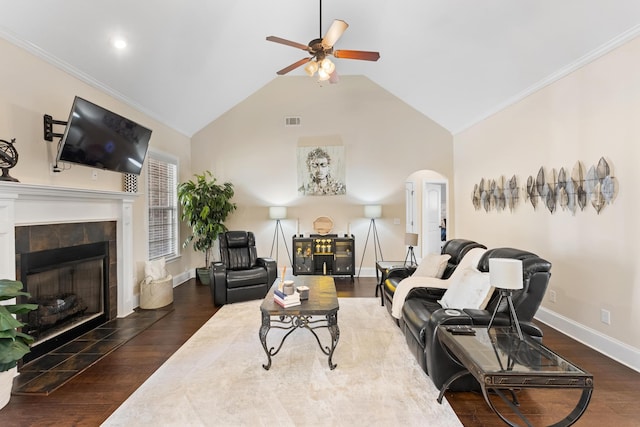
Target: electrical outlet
[605, 316]
[94, 175]
[396, 221]
[552, 296]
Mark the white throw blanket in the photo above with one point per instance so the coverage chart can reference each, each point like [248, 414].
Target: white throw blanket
[470, 259]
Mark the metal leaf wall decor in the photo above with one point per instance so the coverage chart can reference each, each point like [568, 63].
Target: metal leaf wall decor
[496, 194]
[568, 191]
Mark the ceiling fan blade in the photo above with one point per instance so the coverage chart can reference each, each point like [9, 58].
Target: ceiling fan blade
[335, 31]
[287, 42]
[357, 54]
[293, 66]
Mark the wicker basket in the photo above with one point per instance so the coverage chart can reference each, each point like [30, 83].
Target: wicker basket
[157, 293]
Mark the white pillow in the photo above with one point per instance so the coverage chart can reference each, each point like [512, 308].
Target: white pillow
[155, 270]
[470, 290]
[432, 265]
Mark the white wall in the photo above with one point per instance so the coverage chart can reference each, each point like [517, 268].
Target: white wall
[30, 88]
[591, 113]
[384, 140]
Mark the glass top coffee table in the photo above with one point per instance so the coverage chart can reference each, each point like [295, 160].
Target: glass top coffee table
[319, 311]
[500, 361]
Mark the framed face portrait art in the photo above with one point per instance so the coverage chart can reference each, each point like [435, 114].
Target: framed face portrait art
[321, 170]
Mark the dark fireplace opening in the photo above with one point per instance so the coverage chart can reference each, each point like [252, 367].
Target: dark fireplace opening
[70, 286]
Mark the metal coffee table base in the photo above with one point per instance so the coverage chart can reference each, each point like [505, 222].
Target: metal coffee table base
[298, 321]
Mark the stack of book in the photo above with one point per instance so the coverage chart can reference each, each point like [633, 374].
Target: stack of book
[286, 301]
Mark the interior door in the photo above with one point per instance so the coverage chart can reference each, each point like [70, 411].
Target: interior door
[432, 196]
[411, 207]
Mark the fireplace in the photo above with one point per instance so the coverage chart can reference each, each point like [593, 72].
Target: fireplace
[28, 211]
[69, 286]
[67, 269]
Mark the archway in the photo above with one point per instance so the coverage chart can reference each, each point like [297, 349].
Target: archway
[427, 209]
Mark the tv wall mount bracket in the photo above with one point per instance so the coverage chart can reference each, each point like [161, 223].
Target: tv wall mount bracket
[48, 128]
[49, 134]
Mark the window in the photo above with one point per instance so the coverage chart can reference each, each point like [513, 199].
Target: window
[162, 172]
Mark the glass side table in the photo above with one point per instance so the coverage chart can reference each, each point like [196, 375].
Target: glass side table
[500, 361]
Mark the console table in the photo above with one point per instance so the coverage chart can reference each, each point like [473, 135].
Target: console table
[324, 254]
[500, 361]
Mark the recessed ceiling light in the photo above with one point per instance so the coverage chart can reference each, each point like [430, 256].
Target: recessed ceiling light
[119, 43]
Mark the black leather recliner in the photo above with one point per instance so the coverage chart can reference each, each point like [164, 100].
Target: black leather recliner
[240, 275]
[421, 315]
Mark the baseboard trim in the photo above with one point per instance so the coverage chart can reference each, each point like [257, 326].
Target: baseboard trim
[366, 272]
[179, 279]
[610, 347]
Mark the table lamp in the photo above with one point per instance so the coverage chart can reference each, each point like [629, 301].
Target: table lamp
[506, 274]
[411, 240]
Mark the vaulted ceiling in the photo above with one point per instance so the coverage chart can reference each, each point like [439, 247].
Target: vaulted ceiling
[188, 62]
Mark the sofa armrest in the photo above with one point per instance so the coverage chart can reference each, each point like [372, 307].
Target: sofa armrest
[272, 269]
[400, 273]
[218, 283]
[430, 294]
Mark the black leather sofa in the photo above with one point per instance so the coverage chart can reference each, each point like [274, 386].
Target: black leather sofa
[421, 315]
[240, 275]
[456, 248]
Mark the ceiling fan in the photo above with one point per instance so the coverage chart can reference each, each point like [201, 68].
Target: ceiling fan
[322, 47]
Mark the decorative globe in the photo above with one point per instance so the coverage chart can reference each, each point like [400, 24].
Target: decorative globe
[8, 159]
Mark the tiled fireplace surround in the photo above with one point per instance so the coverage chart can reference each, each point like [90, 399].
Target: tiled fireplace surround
[26, 205]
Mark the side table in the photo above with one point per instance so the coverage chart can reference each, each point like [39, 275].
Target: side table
[500, 361]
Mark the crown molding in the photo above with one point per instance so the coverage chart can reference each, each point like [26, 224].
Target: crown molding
[557, 75]
[84, 77]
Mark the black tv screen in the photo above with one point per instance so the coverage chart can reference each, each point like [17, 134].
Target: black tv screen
[103, 139]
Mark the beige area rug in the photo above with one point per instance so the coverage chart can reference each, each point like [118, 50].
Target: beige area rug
[216, 378]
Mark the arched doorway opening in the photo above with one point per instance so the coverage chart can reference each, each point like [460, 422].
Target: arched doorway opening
[427, 210]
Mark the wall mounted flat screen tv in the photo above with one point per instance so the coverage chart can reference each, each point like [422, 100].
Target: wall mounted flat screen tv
[102, 139]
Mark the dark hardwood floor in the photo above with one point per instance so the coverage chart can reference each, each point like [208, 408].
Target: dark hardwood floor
[89, 398]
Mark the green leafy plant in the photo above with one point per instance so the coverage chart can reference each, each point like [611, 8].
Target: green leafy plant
[13, 343]
[205, 207]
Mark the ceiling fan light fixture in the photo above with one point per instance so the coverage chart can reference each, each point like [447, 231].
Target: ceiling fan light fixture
[311, 68]
[327, 65]
[323, 75]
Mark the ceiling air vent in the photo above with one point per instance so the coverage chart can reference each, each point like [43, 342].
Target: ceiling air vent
[292, 121]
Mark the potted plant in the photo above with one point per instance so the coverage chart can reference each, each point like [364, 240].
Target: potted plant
[205, 207]
[13, 343]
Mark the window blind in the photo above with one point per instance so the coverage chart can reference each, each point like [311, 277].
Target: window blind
[163, 207]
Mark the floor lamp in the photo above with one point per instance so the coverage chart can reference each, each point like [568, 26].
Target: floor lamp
[278, 213]
[372, 212]
[411, 239]
[506, 274]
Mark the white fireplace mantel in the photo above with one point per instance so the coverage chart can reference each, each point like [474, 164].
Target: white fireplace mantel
[27, 204]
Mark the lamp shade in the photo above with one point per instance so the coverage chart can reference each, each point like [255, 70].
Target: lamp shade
[372, 211]
[505, 273]
[311, 68]
[411, 239]
[278, 212]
